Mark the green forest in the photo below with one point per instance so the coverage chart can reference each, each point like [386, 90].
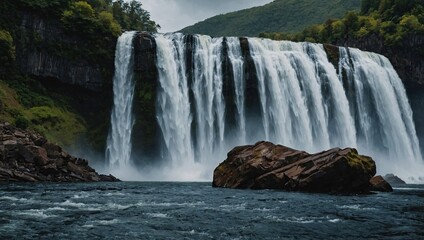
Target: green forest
[277, 16]
[95, 25]
[391, 20]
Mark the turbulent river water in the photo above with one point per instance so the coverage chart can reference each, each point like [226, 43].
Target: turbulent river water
[143, 210]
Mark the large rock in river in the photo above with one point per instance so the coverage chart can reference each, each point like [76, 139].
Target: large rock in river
[27, 157]
[268, 166]
[379, 184]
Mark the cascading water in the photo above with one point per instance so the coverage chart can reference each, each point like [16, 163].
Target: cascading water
[381, 109]
[118, 149]
[303, 101]
[208, 99]
[173, 105]
[237, 62]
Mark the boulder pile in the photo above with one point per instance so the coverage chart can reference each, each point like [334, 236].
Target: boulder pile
[28, 157]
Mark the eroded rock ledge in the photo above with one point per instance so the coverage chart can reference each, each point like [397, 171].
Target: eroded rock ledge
[28, 157]
[268, 166]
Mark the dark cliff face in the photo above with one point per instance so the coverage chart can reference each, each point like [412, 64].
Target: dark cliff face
[146, 132]
[60, 61]
[43, 49]
[406, 58]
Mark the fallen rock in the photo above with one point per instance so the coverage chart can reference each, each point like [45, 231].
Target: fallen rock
[28, 157]
[393, 180]
[268, 166]
[107, 178]
[380, 185]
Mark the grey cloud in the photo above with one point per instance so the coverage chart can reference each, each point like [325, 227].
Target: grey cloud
[174, 15]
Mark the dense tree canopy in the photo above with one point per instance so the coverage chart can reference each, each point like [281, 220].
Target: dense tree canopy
[129, 15]
[390, 19]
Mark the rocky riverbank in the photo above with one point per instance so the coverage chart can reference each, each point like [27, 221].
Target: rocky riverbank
[268, 166]
[28, 157]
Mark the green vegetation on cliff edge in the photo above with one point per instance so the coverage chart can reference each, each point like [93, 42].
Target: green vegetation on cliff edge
[390, 20]
[277, 16]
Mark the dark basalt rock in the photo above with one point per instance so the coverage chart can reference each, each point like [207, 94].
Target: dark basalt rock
[268, 166]
[41, 61]
[28, 157]
[380, 185]
[146, 131]
[394, 180]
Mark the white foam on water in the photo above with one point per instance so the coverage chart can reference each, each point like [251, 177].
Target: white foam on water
[235, 207]
[93, 224]
[107, 222]
[158, 215]
[265, 209]
[114, 194]
[36, 213]
[81, 195]
[304, 220]
[118, 206]
[335, 220]
[56, 209]
[355, 207]
[73, 204]
[14, 199]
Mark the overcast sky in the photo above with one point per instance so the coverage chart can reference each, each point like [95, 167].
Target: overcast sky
[173, 15]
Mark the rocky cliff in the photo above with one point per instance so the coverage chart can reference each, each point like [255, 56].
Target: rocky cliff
[43, 49]
[29, 157]
[69, 70]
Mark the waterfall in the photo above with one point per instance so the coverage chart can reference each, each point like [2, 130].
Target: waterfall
[118, 149]
[207, 88]
[237, 63]
[381, 109]
[173, 106]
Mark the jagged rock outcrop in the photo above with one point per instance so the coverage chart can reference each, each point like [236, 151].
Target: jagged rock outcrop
[380, 185]
[393, 179]
[38, 42]
[29, 157]
[268, 166]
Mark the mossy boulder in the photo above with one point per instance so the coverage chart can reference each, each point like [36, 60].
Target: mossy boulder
[268, 166]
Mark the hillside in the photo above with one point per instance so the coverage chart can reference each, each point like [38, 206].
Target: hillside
[278, 16]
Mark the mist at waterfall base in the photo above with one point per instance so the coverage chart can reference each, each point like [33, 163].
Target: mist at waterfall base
[303, 101]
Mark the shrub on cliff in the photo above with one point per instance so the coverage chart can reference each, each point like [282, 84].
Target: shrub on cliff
[81, 18]
[7, 52]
